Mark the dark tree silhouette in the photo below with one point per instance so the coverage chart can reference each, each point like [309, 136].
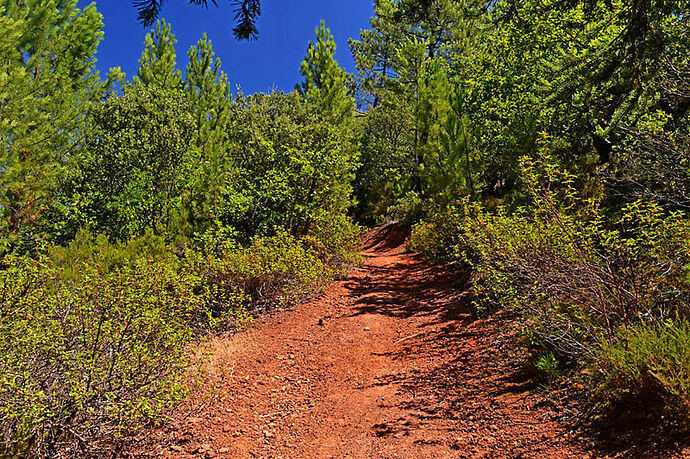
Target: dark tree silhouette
[246, 13]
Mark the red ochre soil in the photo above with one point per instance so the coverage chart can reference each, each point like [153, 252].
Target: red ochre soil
[390, 362]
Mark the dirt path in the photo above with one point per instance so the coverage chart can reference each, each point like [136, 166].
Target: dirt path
[388, 363]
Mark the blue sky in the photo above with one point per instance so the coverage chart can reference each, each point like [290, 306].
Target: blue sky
[285, 28]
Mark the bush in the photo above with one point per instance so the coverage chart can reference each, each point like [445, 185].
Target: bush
[424, 239]
[440, 237]
[547, 365]
[593, 287]
[271, 270]
[98, 340]
[96, 251]
[92, 359]
[574, 275]
[407, 210]
[276, 269]
[337, 239]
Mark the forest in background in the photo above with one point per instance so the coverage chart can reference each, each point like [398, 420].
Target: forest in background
[542, 144]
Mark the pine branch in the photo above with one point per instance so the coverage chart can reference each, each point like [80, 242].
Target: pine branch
[246, 13]
[148, 10]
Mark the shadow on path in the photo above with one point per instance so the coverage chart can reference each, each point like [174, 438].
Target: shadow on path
[470, 373]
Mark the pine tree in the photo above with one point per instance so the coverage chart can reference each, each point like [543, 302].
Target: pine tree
[413, 50]
[158, 66]
[325, 82]
[375, 52]
[47, 49]
[209, 92]
[450, 169]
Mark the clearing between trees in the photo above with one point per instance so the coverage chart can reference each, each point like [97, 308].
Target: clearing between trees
[390, 362]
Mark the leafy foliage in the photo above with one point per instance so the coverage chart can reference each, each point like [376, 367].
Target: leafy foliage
[90, 359]
[577, 279]
[135, 166]
[585, 284]
[289, 166]
[650, 356]
[96, 340]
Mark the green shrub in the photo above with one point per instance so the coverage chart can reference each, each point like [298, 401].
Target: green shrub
[593, 286]
[272, 269]
[578, 276]
[97, 340]
[547, 364]
[337, 239]
[87, 249]
[424, 239]
[439, 237]
[92, 359]
[407, 210]
[649, 356]
[599, 289]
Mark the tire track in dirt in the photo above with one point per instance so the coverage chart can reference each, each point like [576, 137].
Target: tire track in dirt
[387, 363]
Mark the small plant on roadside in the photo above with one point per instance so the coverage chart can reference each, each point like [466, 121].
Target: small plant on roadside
[547, 365]
[649, 357]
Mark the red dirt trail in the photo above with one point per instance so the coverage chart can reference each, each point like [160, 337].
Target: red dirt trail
[387, 363]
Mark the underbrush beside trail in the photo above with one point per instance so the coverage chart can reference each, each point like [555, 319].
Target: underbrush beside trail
[99, 339]
[603, 292]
